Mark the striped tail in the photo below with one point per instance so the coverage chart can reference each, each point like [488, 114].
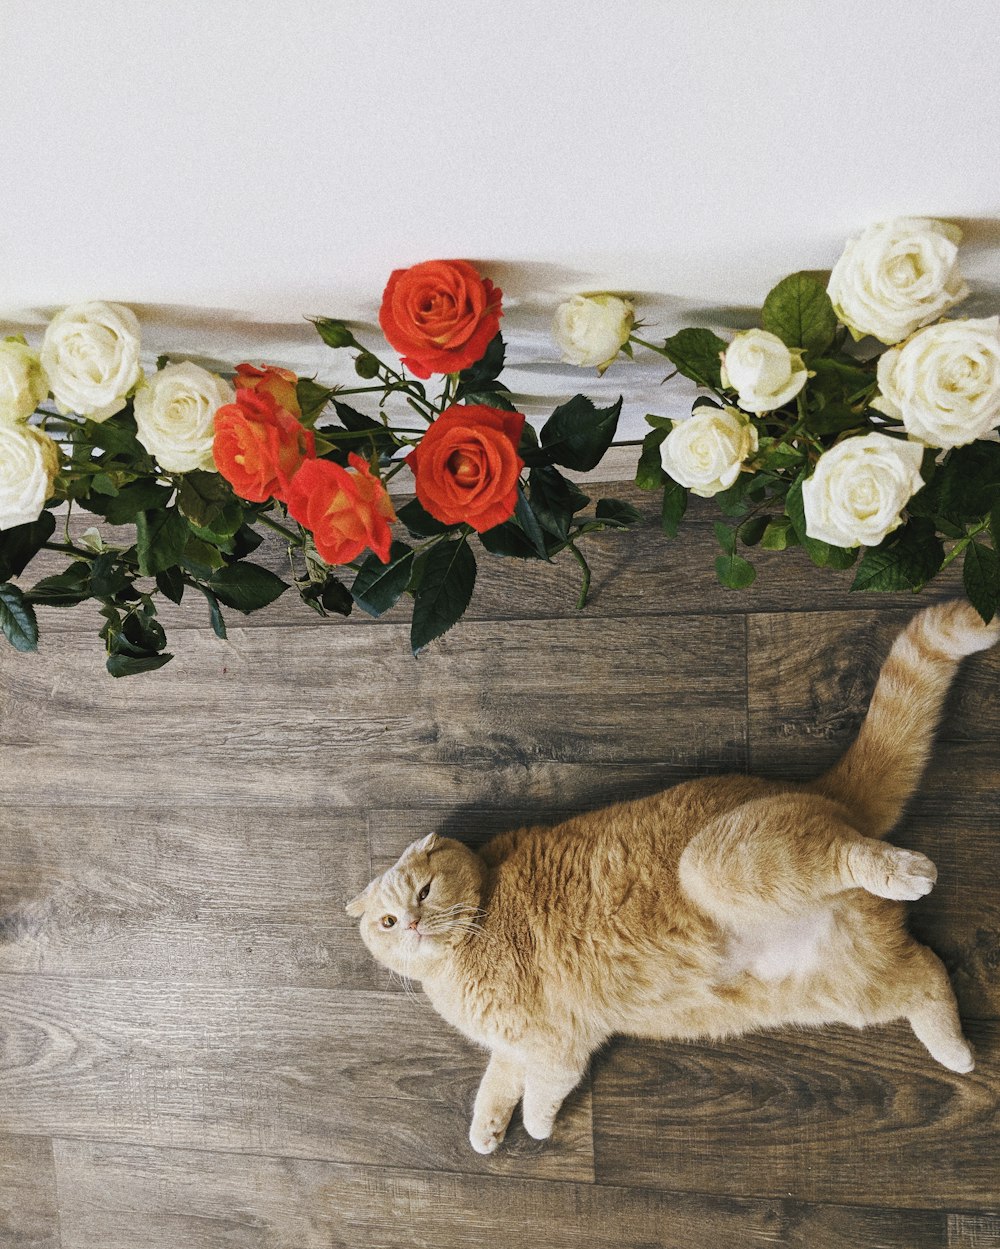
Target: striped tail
[880, 771]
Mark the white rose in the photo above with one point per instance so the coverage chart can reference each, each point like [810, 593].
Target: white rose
[859, 488]
[944, 382]
[22, 382]
[29, 461]
[706, 452]
[175, 416]
[762, 370]
[90, 354]
[592, 329]
[897, 276]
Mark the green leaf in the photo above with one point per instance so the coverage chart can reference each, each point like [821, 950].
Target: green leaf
[509, 540]
[131, 665]
[139, 496]
[448, 578]
[488, 367]
[617, 512]
[491, 399]
[799, 311]
[378, 586]
[675, 501]
[779, 534]
[65, 589]
[102, 484]
[419, 522]
[906, 560]
[107, 576]
[577, 434]
[334, 333]
[117, 436]
[650, 475]
[246, 587]
[554, 501]
[20, 545]
[965, 487]
[662, 422]
[725, 537]
[525, 516]
[370, 433]
[734, 572]
[215, 616]
[17, 619]
[207, 500]
[697, 355]
[752, 531]
[201, 557]
[833, 419]
[839, 379]
[312, 398]
[981, 578]
[160, 538]
[170, 583]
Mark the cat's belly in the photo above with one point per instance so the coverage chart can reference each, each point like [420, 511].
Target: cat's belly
[793, 948]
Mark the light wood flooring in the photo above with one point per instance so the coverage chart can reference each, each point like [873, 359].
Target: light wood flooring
[196, 1051]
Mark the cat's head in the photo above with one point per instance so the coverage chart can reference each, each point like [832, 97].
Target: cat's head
[427, 903]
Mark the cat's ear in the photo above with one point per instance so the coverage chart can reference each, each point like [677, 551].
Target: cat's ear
[356, 906]
[429, 843]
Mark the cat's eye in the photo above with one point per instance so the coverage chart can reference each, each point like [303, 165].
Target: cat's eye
[387, 921]
[424, 892]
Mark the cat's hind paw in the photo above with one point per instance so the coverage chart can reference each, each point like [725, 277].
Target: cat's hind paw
[889, 872]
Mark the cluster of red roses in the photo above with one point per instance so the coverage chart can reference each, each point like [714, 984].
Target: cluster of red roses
[440, 317]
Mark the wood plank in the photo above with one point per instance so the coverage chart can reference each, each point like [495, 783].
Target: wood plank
[273, 719]
[831, 1115]
[121, 1197]
[346, 1076]
[29, 1216]
[974, 1231]
[217, 893]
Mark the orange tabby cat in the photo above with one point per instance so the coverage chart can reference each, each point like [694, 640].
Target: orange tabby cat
[719, 906]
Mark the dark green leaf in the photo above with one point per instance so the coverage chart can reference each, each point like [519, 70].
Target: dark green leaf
[215, 616]
[664, 422]
[725, 536]
[833, 419]
[207, 500]
[139, 496]
[246, 586]
[965, 487]
[525, 516]
[117, 436]
[779, 534]
[906, 560]
[377, 586]
[447, 580]
[485, 369]
[509, 539]
[752, 531]
[107, 576]
[370, 433]
[577, 434]
[419, 522]
[170, 583]
[799, 311]
[101, 483]
[143, 633]
[650, 474]
[160, 538]
[675, 501]
[17, 619]
[554, 500]
[246, 541]
[20, 545]
[617, 512]
[491, 399]
[839, 379]
[131, 665]
[981, 578]
[201, 557]
[734, 572]
[697, 355]
[65, 589]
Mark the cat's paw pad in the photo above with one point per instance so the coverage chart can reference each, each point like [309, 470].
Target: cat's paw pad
[485, 1135]
[902, 875]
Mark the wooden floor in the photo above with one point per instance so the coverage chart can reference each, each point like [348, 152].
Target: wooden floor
[196, 1050]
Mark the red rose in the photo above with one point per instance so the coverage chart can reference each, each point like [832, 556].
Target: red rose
[259, 446]
[344, 510]
[279, 383]
[440, 316]
[466, 467]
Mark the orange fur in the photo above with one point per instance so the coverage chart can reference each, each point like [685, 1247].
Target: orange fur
[720, 906]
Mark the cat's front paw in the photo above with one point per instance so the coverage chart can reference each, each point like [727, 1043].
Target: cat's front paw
[486, 1134]
[538, 1124]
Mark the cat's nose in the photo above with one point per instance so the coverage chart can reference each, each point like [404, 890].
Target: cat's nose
[413, 924]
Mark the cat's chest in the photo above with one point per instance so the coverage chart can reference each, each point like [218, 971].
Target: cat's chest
[474, 1012]
[793, 947]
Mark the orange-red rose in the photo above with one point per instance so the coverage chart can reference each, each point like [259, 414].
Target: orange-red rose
[466, 468]
[346, 510]
[259, 446]
[279, 383]
[440, 315]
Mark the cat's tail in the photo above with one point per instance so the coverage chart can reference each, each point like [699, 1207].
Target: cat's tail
[881, 769]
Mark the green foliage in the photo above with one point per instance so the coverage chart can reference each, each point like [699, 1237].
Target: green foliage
[160, 539]
[246, 587]
[419, 522]
[799, 311]
[208, 502]
[906, 560]
[125, 506]
[675, 501]
[312, 398]
[617, 513]
[577, 435]
[447, 579]
[20, 545]
[482, 376]
[524, 515]
[697, 354]
[981, 578]
[378, 586]
[509, 539]
[554, 501]
[17, 619]
[650, 475]
[64, 589]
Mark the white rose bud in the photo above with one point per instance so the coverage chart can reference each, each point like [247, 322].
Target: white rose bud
[706, 452]
[762, 370]
[90, 354]
[592, 329]
[859, 488]
[944, 382]
[175, 416]
[22, 382]
[897, 276]
[29, 461]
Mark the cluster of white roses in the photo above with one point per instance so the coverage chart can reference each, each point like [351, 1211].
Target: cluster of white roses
[942, 381]
[90, 365]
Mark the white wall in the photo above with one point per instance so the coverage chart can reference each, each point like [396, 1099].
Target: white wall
[226, 167]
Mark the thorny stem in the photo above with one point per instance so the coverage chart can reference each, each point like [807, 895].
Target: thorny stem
[581, 602]
[962, 543]
[294, 538]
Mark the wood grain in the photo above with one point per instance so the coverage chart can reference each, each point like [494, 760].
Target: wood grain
[138, 1198]
[347, 1076]
[830, 1115]
[974, 1231]
[29, 1215]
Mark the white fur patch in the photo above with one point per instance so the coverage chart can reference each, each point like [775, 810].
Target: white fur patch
[791, 947]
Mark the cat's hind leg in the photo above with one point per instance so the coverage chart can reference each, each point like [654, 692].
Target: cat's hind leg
[500, 1089]
[932, 1011]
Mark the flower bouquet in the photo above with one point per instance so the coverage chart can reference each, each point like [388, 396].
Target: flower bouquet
[201, 465]
[812, 434]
